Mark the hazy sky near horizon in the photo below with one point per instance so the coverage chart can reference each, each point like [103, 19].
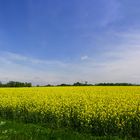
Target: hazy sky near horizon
[57, 41]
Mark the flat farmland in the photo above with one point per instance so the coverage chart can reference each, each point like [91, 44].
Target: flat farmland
[96, 110]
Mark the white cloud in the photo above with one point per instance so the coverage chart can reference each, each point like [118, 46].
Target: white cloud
[85, 57]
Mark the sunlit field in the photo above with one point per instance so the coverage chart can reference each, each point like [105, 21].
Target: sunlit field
[93, 109]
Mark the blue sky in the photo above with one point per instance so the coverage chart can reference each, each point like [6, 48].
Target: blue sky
[56, 41]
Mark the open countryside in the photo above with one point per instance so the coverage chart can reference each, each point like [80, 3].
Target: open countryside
[69, 69]
[97, 110]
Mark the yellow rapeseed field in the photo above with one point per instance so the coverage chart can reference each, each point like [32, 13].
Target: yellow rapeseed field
[96, 109]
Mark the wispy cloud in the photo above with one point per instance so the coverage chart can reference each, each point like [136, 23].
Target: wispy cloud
[112, 12]
[121, 65]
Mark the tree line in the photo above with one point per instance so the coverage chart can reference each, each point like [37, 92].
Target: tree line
[97, 84]
[26, 84]
[15, 84]
[115, 84]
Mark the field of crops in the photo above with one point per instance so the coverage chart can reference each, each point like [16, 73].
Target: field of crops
[97, 110]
